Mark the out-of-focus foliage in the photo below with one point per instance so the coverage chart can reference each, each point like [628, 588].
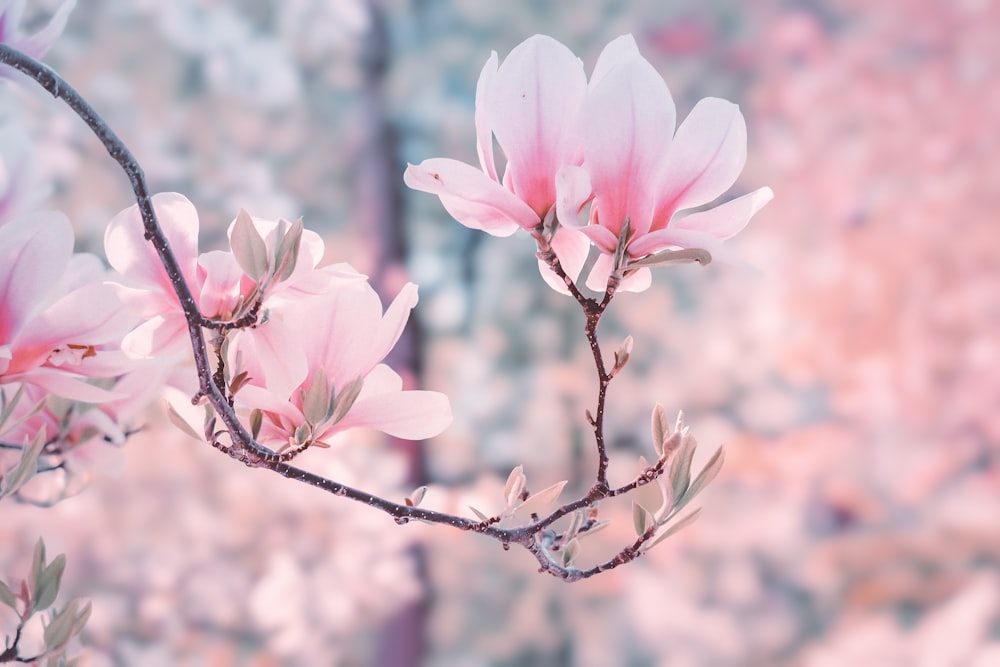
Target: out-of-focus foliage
[853, 376]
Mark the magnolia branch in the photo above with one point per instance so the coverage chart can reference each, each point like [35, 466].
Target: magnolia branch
[535, 537]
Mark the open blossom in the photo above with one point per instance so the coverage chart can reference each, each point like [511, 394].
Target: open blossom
[35, 45]
[60, 324]
[315, 369]
[218, 279]
[531, 104]
[636, 169]
[609, 144]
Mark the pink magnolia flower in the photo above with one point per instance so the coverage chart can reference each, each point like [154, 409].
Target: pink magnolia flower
[315, 370]
[531, 104]
[636, 168]
[57, 315]
[36, 45]
[219, 282]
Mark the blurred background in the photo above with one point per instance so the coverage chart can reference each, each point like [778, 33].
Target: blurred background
[853, 375]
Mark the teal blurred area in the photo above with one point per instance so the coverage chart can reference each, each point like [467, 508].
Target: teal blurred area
[853, 372]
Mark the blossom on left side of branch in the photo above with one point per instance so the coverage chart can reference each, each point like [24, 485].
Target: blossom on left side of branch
[60, 323]
[63, 376]
[309, 363]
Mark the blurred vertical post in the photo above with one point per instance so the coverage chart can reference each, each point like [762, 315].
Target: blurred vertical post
[379, 215]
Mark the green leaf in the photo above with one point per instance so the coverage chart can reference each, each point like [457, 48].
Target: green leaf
[415, 498]
[575, 521]
[26, 467]
[642, 519]
[674, 528]
[6, 424]
[316, 399]
[256, 421]
[7, 406]
[680, 467]
[514, 485]
[623, 353]
[673, 257]
[47, 584]
[540, 502]
[703, 479]
[65, 625]
[37, 566]
[650, 494]
[660, 428]
[570, 551]
[288, 251]
[479, 515]
[7, 596]
[178, 421]
[303, 434]
[596, 528]
[249, 248]
[343, 401]
[624, 236]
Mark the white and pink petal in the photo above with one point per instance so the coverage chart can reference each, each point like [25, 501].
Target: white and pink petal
[471, 197]
[707, 155]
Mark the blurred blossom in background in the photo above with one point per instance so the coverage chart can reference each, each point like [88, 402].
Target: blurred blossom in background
[853, 374]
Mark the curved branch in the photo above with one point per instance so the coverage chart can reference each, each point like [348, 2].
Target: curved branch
[246, 450]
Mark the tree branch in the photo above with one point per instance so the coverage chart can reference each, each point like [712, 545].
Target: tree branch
[245, 449]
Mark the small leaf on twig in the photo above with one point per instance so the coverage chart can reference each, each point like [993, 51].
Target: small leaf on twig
[316, 398]
[65, 625]
[288, 251]
[7, 596]
[575, 521]
[256, 421]
[623, 354]
[343, 400]
[680, 466]
[177, 420]
[482, 517]
[674, 528]
[239, 381]
[26, 467]
[37, 566]
[649, 494]
[642, 519]
[516, 481]
[570, 552]
[703, 479]
[540, 502]
[47, 584]
[249, 248]
[684, 255]
[414, 499]
[624, 236]
[660, 428]
[594, 528]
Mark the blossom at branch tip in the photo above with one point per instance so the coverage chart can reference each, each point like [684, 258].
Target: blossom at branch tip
[636, 169]
[609, 144]
[59, 322]
[315, 369]
[38, 44]
[531, 104]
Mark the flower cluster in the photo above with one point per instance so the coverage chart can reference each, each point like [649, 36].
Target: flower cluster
[608, 144]
[305, 362]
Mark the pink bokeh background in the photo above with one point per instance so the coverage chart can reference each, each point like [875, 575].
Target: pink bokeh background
[853, 374]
